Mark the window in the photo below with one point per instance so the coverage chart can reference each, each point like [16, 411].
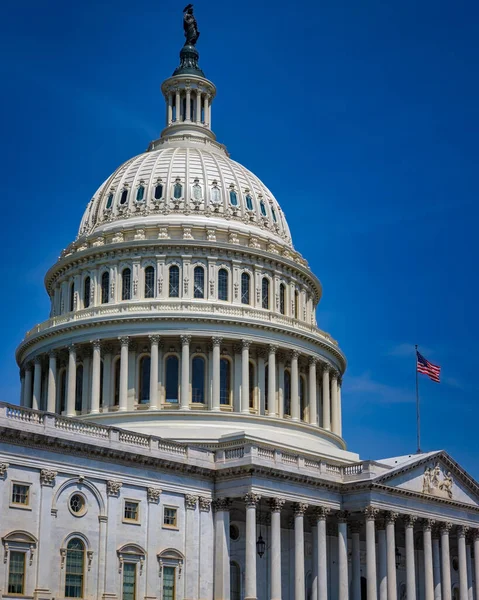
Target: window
[144, 387]
[169, 584]
[116, 395]
[225, 381]
[132, 510]
[296, 304]
[21, 494]
[170, 516]
[140, 194]
[63, 390]
[77, 505]
[249, 202]
[109, 202]
[235, 581]
[263, 208]
[79, 389]
[273, 212]
[129, 581]
[302, 399]
[16, 573]
[105, 287]
[199, 282]
[124, 197]
[215, 194]
[222, 284]
[177, 190]
[282, 295]
[74, 571]
[86, 292]
[158, 191]
[251, 384]
[287, 393]
[72, 297]
[266, 387]
[265, 293]
[126, 284]
[149, 282]
[174, 282]
[198, 379]
[172, 367]
[233, 198]
[245, 285]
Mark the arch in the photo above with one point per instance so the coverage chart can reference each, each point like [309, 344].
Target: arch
[235, 581]
[72, 296]
[199, 282]
[245, 288]
[174, 281]
[223, 277]
[126, 284]
[80, 483]
[86, 292]
[79, 388]
[144, 371]
[131, 548]
[172, 554]
[265, 285]
[198, 379]
[287, 393]
[105, 287]
[150, 282]
[172, 367]
[225, 381]
[282, 298]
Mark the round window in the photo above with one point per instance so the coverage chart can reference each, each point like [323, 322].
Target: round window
[234, 532]
[77, 505]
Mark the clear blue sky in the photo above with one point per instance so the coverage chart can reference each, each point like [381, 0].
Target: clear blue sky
[361, 117]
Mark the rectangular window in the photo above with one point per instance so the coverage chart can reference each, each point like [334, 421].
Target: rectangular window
[131, 510]
[129, 581]
[21, 494]
[16, 573]
[169, 516]
[169, 587]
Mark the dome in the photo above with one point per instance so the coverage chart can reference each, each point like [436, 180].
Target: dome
[190, 182]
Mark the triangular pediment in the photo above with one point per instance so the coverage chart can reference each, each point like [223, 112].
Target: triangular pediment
[435, 475]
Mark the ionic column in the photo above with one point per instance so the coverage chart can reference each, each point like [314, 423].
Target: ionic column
[178, 105]
[391, 555]
[294, 386]
[185, 372]
[470, 592]
[461, 547]
[198, 106]
[326, 399]
[154, 341]
[382, 561]
[245, 344]
[445, 561]
[251, 501]
[343, 586]
[125, 342]
[276, 504]
[37, 383]
[188, 105]
[27, 399]
[170, 108]
[355, 561]
[436, 564]
[410, 564]
[72, 380]
[321, 514]
[299, 582]
[216, 372]
[476, 561]
[221, 575]
[272, 380]
[313, 411]
[428, 570]
[52, 382]
[372, 590]
[95, 378]
[334, 402]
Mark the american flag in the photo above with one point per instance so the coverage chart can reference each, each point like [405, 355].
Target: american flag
[424, 366]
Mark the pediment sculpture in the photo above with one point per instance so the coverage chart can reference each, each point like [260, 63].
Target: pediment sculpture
[437, 483]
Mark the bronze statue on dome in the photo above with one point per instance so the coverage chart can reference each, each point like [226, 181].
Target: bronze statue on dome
[190, 26]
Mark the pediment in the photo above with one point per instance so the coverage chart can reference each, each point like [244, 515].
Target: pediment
[434, 476]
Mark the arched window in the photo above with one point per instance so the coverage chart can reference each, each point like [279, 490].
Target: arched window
[225, 381]
[174, 281]
[79, 389]
[140, 194]
[74, 569]
[287, 393]
[198, 379]
[171, 384]
[263, 208]
[126, 284]
[86, 292]
[105, 287]
[265, 293]
[109, 202]
[63, 391]
[177, 190]
[245, 285]
[235, 581]
[72, 297]
[222, 284]
[233, 198]
[199, 282]
[124, 197]
[158, 191]
[296, 304]
[282, 295]
[149, 282]
[116, 395]
[249, 202]
[144, 387]
[302, 399]
[252, 384]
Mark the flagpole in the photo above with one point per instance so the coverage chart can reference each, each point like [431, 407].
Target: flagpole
[418, 413]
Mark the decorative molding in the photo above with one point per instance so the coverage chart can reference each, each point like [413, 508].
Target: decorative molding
[251, 499]
[321, 513]
[276, 504]
[153, 495]
[391, 517]
[410, 520]
[299, 508]
[371, 513]
[113, 487]
[205, 504]
[3, 469]
[191, 502]
[428, 524]
[47, 477]
[222, 504]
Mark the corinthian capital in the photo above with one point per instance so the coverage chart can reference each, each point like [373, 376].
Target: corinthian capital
[251, 499]
[370, 512]
[276, 504]
[221, 504]
[410, 520]
[299, 508]
[321, 513]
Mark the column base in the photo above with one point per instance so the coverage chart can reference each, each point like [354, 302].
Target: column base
[42, 594]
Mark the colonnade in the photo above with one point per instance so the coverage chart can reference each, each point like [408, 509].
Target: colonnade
[380, 528]
[197, 106]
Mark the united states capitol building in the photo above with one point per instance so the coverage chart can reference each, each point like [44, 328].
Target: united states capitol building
[179, 431]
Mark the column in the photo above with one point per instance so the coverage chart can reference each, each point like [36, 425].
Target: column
[326, 399]
[22, 387]
[72, 379]
[391, 555]
[95, 378]
[185, 372]
[154, 357]
[355, 561]
[27, 400]
[188, 104]
[321, 514]
[313, 411]
[245, 344]
[436, 564]
[428, 573]
[37, 383]
[272, 380]
[340, 409]
[170, 108]
[299, 583]
[314, 570]
[382, 561]
[343, 586]
[198, 106]
[86, 381]
[445, 561]
[470, 593]
[276, 504]
[52, 381]
[125, 342]
[216, 372]
[476, 561]
[334, 402]
[178, 106]
[251, 501]
[208, 109]
[221, 579]
[294, 386]
[371, 514]
[461, 547]
[410, 564]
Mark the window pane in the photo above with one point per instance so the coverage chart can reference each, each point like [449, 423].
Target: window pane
[158, 192]
[72, 297]
[172, 379]
[105, 287]
[245, 283]
[86, 293]
[140, 193]
[74, 569]
[129, 581]
[198, 379]
[302, 403]
[265, 293]
[233, 198]
[109, 201]
[249, 202]
[199, 285]
[20, 493]
[263, 208]
[177, 190]
[149, 282]
[124, 197]
[282, 292]
[225, 381]
[296, 304]
[287, 393]
[251, 385]
[63, 391]
[174, 282]
[169, 516]
[131, 511]
[169, 591]
[145, 368]
[126, 284]
[79, 389]
[223, 284]
[266, 387]
[16, 573]
[117, 382]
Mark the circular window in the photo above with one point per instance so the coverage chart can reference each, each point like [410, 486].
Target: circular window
[234, 532]
[77, 505]
[455, 563]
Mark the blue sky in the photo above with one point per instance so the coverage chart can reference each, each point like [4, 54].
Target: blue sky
[362, 119]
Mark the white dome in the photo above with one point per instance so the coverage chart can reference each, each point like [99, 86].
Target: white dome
[212, 188]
